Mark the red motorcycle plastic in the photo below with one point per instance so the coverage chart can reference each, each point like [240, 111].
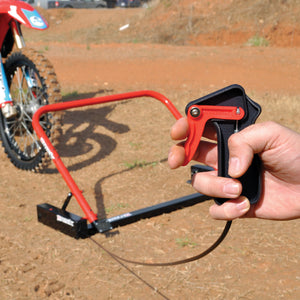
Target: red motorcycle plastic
[27, 82]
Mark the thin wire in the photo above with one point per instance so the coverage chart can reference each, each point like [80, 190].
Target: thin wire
[173, 263]
[130, 271]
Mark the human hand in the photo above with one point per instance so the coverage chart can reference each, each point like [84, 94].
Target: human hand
[279, 150]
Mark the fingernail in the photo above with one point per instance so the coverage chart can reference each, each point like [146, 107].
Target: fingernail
[236, 209]
[231, 189]
[234, 165]
[244, 205]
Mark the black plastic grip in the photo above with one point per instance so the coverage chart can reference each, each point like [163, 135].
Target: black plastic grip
[234, 95]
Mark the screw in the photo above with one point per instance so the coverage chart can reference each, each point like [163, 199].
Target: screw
[195, 112]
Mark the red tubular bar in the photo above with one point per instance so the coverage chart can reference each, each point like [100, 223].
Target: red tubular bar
[90, 215]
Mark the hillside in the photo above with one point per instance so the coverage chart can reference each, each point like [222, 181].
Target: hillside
[183, 22]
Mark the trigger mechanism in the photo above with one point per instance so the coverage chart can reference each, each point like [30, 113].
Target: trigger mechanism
[198, 116]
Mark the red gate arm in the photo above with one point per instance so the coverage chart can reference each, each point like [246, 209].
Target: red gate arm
[90, 215]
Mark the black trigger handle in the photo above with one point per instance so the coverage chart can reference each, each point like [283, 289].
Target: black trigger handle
[234, 95]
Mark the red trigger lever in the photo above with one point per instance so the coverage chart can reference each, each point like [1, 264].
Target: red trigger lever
[197, 117]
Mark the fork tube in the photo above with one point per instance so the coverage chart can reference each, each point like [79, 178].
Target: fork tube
[4, 89]
[17, 33]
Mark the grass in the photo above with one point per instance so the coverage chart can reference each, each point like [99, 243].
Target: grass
[135, 146]
[167, 3]
[139, 164]
[115, 207]
[183, 242]
[70, 95]
[45, 49]
[257, 41]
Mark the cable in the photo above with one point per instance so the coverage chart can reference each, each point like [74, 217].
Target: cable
[173, 263]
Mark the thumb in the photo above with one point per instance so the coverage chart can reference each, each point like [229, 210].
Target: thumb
[244, 144]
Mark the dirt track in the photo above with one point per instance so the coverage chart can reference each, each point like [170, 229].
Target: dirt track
[258, 260]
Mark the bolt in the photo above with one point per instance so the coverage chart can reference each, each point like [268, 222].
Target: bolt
[195, 112]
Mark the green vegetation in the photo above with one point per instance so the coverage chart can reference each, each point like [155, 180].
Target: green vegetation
[139, 164]
[115, 207]
[167, 3]
[257, 41]
[135, 146]
[70, 94]
[183, 242]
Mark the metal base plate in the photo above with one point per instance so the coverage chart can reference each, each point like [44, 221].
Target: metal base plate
[66, 222]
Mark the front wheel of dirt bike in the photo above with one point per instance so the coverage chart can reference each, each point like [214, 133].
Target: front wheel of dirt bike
[32, 83]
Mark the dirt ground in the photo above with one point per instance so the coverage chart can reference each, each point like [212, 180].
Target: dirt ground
[117, 155]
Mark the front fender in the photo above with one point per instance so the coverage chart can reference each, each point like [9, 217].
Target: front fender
[23, 13]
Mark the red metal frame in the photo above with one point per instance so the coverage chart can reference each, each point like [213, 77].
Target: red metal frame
[90, 215]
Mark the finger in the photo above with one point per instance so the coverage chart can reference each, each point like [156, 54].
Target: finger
[207, 154]
[231, 209]
[180, 129]
[208, 183]
[176, 156]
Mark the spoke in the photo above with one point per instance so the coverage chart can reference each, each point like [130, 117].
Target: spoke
[11, 124]
[19, 78]
[44, 124]
[33, 137]
[15, 130]
[22, 82]
[29, 133]
[28, 116]
[16, 87]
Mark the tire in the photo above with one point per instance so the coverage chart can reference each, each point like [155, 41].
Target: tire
[19, 140]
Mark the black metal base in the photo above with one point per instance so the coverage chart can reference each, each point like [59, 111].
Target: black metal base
[66, 222]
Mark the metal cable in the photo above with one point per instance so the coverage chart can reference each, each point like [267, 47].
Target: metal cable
[173, 263]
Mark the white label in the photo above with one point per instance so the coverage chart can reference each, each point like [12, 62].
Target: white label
[47, 149]
[64, 220]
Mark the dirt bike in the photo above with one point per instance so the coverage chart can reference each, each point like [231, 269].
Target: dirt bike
[27, 82]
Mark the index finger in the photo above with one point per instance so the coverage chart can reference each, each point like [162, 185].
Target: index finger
[180, 130]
